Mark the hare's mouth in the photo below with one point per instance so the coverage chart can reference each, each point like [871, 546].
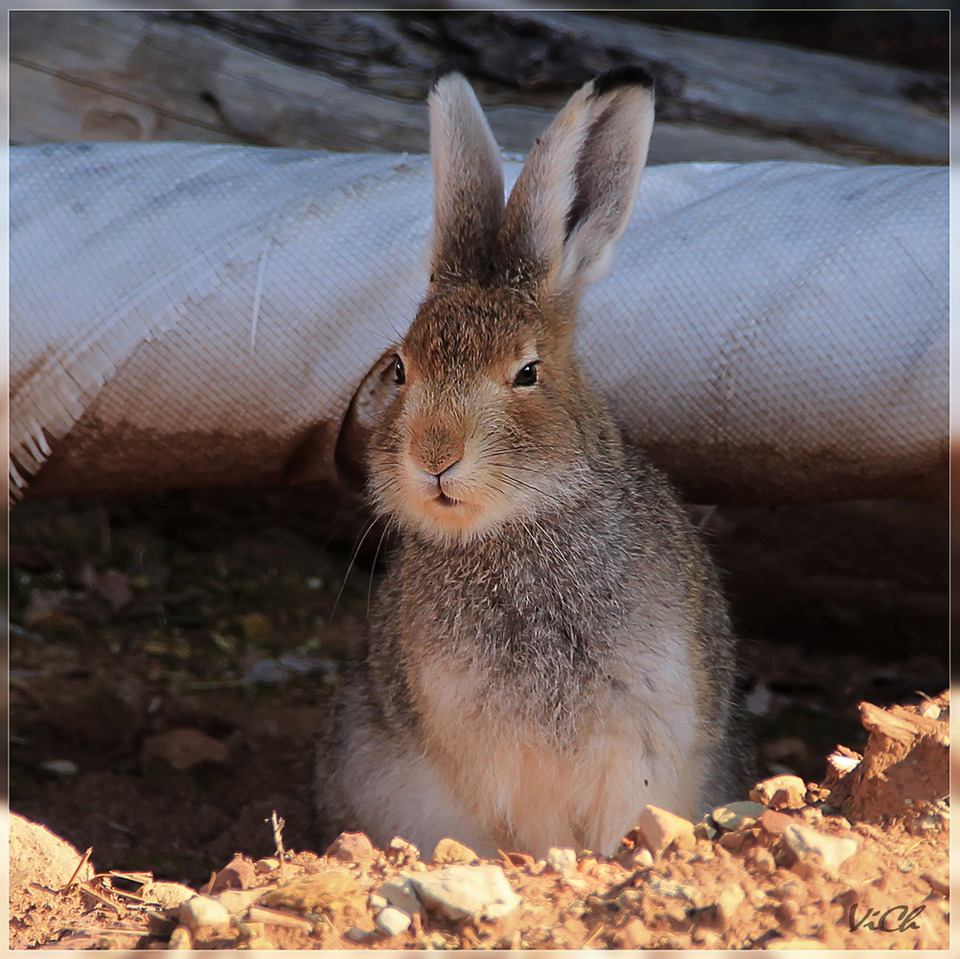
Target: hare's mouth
[445, 500]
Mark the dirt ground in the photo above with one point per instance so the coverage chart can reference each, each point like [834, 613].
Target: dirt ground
[170, 659]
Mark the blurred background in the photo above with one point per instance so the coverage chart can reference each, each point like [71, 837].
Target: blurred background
[226, 612]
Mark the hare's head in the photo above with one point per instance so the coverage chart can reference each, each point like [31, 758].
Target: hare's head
[489, 421]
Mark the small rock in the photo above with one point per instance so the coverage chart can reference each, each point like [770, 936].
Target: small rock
[661, 829]
[236, 901]
[460, 892]
[736, 814]
[37, 855]
[780, 791]
[351, 847]
[400, 892]
[634, 935]
[266, 865]
[761, 860]
[251, 930]
[449, 850]
[180, 939]
[392, 921]
[704, 830]
[184, 748]
[238, 874]
[938, 882]
[400, 845]
[256, 627]
[261, 944]
[561, 860]
[775, 822]
[376, 902]
[61, 768]
[643, 859]
[319, 890]
[356, 934]
[808, 845]
[203, 913]
[167, 895]
[727, 904]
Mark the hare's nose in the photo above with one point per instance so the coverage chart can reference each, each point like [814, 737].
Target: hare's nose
[436, 454]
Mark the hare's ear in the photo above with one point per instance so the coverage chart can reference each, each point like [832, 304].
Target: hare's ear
[467, 183]
[576, 191]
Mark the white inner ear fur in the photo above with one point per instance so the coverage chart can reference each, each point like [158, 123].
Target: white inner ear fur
[592, 155]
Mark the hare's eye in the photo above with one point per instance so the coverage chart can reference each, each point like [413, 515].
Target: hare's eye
[399, 373]
[527, 376]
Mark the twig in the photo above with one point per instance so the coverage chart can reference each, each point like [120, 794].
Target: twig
[278, 823]
[76, 872]
[593, 935]
[96, 895]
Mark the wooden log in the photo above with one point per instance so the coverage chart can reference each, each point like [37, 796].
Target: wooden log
[355, 81]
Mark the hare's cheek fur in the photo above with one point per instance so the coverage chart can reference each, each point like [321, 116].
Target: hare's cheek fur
[466, 474]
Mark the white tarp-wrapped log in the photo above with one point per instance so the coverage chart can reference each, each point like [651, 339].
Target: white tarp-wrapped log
[189, 315]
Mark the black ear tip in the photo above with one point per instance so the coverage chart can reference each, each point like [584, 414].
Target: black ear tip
[625, 76]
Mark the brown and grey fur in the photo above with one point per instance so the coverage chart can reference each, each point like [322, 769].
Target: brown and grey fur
[549, 650]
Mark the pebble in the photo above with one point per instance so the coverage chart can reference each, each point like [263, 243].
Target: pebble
[351, 847]
[643, 859]
[736, 814]
[203, 913]
[238, 874]
[449, 851]
[399, 844]
[180, 939]
[727, 904]
[167, 895]
[467, 891]
[561, 860]
[266, 865]
[377, 901]
[400, 893]
[775, 822]
[780, 791]
[236, 901]
[661, 829]
[320, 890]
[832, 851]
[392, 921]
[761, 860]
[939, 883]
[251, 930]
[260, 944]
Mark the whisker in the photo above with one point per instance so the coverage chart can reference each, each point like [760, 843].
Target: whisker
[353, 559]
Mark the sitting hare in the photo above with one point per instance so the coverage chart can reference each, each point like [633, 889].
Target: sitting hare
[549, 651]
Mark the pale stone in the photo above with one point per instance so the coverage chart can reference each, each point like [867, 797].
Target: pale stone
[780, 791]
[831, 851]
[561, 860]
[393, 921]
[203, 913]
[37, 855]
[450, 851]
[400, 892]
[467, 891]
[661, 828]
[736, 814]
